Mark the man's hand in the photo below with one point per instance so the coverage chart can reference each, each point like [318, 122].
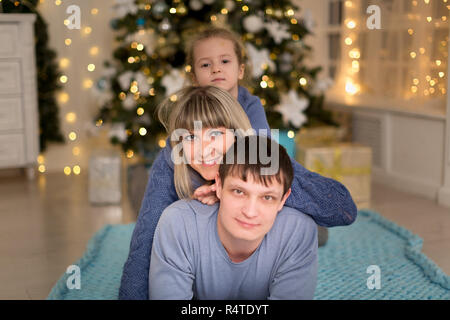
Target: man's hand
[206, 194]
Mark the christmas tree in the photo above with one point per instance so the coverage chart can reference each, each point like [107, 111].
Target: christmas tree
[149, 64]
[47, 73]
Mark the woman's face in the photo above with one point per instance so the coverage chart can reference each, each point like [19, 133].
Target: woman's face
[204, 149]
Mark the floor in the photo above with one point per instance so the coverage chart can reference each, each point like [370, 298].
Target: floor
[45, 225]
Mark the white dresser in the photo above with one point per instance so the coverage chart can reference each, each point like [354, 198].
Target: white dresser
[19, 120]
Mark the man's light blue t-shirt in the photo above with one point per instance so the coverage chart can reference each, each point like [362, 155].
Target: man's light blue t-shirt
[188, 260]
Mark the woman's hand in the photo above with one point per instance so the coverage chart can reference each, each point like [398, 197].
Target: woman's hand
[206, 194]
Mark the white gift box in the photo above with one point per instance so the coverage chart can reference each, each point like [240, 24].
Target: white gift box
[105, 185]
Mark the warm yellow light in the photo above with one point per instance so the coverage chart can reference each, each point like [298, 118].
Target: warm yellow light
[58, 2]
[213, 18]
[140, 47]
[429, 19]
[94, 11]
[76, 151]
[354, 54]
[303, 81]
[413, 89]
[40, 159]
[432, 83]
[422, 50]
[63, 79]
[173, 98]
[76, 170]
[66, 22]
[444, 18]
[131, 60]
[413, 55]
[351, 24]
[173, 10]
[68, 41]
[63, 97]
[355, 66]
[87, 30]
[41, 168]
[91, 67]
[67, 171]
[130, 154]
[438, 62]
[432, 90]
[93, 51]
[142, 131]
[162, 143]
[428, 78]
[348, 41]
[348, 4]
[416, 81]
[441, 74]
[71, 117]
[244, 8]
[99, 123]
[291, 134]
[351, 88]
[64, 63]
[426, 1]
[134, 89]
[224, 11]
[410, 31]
[290, 12]
[263, 84]
[294, 21]
[87, 83]
[72, 136]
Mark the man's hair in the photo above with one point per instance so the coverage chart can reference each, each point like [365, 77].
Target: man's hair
[258, 156]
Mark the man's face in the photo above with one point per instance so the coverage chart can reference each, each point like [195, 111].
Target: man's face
[247, 209]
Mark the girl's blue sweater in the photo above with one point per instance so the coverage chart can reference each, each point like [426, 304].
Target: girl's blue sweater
[327, 201]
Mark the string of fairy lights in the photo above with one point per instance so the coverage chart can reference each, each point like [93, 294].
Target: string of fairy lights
[429, 75]
[71, 117]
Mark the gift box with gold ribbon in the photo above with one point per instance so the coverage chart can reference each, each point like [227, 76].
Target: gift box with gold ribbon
[348, 163]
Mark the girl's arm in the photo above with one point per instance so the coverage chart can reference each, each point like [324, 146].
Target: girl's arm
[159, 194]
[326, 200]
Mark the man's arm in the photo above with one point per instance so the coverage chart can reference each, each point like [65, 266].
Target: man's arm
[171, 275]
[296, 277]
[159, 194]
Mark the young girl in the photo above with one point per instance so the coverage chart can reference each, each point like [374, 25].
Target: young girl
[327, 201]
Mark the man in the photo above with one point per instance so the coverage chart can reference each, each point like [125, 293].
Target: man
[247, 246]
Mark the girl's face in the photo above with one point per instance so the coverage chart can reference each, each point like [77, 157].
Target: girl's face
[204, 149]
[216, 64]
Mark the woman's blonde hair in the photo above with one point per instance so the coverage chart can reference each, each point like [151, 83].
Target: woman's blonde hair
[212, 106]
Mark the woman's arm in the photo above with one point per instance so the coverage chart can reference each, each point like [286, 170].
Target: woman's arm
[326, 200]
[159, 194]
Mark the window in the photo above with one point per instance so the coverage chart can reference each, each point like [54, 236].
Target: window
[404, 62]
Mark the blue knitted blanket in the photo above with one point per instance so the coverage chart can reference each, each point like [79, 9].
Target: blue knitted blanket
[345, 264]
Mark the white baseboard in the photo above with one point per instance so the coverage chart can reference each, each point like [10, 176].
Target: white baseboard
[407, 184]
